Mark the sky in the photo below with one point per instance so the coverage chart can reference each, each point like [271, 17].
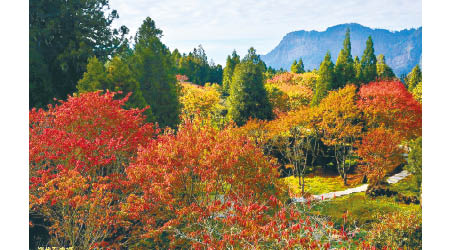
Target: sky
[223, 25]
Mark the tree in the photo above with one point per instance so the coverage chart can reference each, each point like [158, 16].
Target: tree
[232, 62]
[78, 153]
[204, 169]
[380, 153]
[344, 70]
[413, 78]
[368, 63]
[298, 67]
[152, 67]
[116, 77]
[296, 139]
[202, 102]
[341, 122]
[358, 71]
[388, 104]
[384, 72]
[417, 92]
[63, 35]
[294, 67]
[325, 81]
[289, 91]
[248, 97]
[415, 160]
[94, 78]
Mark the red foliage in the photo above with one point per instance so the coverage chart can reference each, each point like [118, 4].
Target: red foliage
[389, 104]
[181, 178]
[380, 153]
[182, 78]
[197, 187]
[78, 151]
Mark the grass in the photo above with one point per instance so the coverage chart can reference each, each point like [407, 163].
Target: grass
[407, 187]
[361, 210]
[318, 184]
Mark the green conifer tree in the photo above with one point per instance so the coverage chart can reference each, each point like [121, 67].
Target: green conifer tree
[325, 81]
[248, 97]
[232, 62]
[152, 66]
[413, 78]
[358, 71]
[383, 70]
[94, 78]
[300, 66]
[116, 76]
[368, 63]
[344, 70]
[294, 67]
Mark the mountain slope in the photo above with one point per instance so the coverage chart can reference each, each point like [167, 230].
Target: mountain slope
[402, 49]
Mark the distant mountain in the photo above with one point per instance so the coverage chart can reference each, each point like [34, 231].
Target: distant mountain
[402, 49]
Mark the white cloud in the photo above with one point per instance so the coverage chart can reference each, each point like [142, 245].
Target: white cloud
[222, 25]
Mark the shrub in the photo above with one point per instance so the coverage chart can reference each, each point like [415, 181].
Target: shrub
[397, 230]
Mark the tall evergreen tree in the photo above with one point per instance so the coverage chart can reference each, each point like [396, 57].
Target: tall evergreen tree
[116, 76]
[298, 67]
[294, 67]
[94, 78]
[232, 62]
[152, 66]
[325, 81]
[62, 36]
[344, 70]
[413, 78]
[248, 97]
[383, 70]
[358, 71]
[369, 62]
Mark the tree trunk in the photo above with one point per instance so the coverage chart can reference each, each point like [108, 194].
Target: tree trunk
[303, 185]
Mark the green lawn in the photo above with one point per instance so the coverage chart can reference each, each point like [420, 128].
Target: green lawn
[317, 184]
[361, 210]
[407, 187]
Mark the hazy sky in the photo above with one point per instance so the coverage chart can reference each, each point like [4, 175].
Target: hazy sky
[223, 25]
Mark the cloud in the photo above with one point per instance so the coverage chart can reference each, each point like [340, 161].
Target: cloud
[221, 25]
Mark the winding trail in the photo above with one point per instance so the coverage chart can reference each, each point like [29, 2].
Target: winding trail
[320, 197]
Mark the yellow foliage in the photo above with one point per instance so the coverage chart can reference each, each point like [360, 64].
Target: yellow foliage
[290, 91]
[201, 101]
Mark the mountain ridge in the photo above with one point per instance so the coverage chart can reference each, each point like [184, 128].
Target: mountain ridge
[402, 49]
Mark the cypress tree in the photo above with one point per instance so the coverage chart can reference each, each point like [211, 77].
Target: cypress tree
[369, 63]
[116, 76]
[383, 70]
[358, 72]
[94, 78]
[413, 78]
[152, 66]
[344, 70]
[294, 67]
[300, 66]
[325, 81]
[232, 62]
[248, 97]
